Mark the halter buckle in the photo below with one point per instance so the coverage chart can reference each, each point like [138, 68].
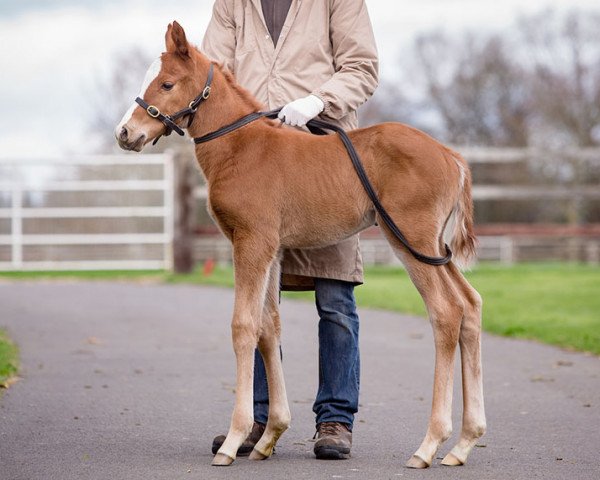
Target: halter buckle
[206, 92]
[153, 111]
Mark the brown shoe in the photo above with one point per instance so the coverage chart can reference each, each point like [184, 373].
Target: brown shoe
[246, 447]
[334, 440]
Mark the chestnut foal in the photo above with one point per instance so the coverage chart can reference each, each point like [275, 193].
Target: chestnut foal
[272, 188]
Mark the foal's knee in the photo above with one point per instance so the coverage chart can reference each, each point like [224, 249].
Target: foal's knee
[244, 335]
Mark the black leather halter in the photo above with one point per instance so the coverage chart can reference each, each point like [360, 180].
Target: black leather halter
[190, 111]
[318, 127]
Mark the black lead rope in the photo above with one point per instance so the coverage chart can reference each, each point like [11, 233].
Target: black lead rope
[242, 122]
[362, 175]
[318, 127]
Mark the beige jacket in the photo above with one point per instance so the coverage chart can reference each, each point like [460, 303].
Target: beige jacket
[326, 48]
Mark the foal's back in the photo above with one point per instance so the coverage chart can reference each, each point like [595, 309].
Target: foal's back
[306, 186]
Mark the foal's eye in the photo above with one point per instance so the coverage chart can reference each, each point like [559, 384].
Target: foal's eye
[167, 86]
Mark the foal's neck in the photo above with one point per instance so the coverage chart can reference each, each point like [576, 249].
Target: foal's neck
[226, 104]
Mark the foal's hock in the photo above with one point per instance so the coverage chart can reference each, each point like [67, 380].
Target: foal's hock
[271, 188]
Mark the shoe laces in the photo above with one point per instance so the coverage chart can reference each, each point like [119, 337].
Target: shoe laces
[326, 429]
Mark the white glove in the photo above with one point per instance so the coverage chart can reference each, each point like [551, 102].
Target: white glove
[299, 112]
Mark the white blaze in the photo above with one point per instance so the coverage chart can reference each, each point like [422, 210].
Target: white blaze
[151, 74]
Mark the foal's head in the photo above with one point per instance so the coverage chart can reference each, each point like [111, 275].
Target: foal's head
[170, 84]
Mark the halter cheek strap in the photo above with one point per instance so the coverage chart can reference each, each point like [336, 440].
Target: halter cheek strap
[190, 111]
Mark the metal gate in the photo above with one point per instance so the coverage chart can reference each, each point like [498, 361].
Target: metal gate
[87, 213]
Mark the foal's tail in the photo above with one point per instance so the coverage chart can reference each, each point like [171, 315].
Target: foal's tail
[459, 229]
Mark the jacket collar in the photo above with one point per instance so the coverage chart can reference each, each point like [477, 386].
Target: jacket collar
[258, 6]
[289, 21]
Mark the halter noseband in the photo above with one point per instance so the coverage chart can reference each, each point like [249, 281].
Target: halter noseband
[190, 111]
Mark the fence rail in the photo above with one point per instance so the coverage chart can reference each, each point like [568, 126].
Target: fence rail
[99, 248]
[526, 192]
[119, 211]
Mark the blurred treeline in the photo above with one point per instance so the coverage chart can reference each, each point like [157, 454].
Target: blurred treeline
[533, 86]
[536, 84]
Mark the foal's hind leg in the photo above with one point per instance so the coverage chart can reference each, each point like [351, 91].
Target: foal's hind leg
[445, 308]
[268, 344]
[253, 258]
[473, 425]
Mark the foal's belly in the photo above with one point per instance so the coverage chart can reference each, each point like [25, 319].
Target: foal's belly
[317, 234]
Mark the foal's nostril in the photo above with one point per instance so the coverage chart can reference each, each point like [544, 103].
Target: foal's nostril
[123, 135]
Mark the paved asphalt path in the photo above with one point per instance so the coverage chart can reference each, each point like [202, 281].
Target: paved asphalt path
[132, 381]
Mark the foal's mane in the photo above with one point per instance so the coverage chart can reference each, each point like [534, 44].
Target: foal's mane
[241, 92]
[244, 94]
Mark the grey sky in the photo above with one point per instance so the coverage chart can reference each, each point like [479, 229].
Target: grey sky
[50, 51]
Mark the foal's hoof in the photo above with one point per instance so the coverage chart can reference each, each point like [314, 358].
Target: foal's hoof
[256, 455]
[416, 462]
[222, 460]
[451, 461]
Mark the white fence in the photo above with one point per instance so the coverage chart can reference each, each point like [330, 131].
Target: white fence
[87, 212]
[117, 212]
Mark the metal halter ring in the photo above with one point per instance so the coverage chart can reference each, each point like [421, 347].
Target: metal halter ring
[206, 92]
[153, 111]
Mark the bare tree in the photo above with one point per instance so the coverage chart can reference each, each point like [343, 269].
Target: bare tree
[564, 54]
[476, 89]
[539, 84]
[388, 104]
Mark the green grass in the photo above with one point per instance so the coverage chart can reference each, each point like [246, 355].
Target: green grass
[9, 359]
[220, 277]
[554, 303]
[557, 304]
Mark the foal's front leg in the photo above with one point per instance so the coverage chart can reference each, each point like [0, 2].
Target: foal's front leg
[279, 410]
[252, 262]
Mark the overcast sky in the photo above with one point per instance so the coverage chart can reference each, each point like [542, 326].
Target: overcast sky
[51, 50]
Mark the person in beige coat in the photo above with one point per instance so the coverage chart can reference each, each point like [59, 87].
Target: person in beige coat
[314, 58]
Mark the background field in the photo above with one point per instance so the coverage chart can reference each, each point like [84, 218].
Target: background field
[554, 303]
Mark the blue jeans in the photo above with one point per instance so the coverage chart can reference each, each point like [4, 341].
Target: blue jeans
[339, 359]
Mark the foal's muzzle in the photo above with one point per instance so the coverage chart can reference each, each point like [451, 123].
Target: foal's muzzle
[127, 143]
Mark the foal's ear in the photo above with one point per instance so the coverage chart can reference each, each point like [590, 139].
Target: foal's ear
[175, 40]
